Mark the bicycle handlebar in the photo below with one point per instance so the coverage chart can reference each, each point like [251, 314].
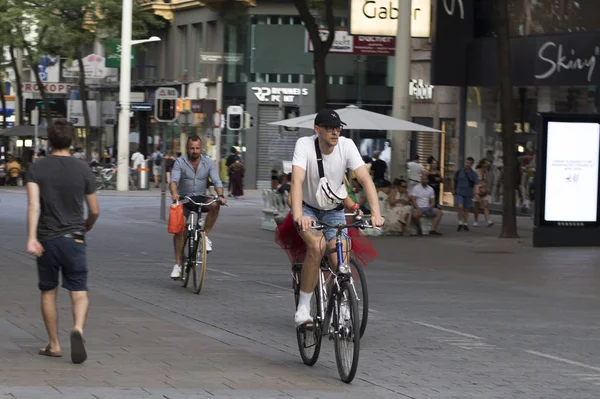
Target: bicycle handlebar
[360, 223]
[186, 199]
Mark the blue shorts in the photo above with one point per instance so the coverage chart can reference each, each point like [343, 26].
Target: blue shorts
[465, 201]
[429, 212]
[330, 217]
[66, 255]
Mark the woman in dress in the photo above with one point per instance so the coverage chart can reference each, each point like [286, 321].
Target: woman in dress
[236, 173]
[481, 198]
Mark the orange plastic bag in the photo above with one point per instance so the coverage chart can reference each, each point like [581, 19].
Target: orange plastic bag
[176, 219]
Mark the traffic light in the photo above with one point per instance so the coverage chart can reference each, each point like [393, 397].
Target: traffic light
[248, 120]
[235, 116]
[165, 110]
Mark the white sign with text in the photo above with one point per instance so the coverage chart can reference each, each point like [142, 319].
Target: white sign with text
[573, 149]
[278, 94]
[380, 17]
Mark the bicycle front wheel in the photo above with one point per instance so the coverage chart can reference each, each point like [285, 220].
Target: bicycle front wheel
[362, 295]
[200, 264]
[347, 332]
[309, 340]
[187, 260]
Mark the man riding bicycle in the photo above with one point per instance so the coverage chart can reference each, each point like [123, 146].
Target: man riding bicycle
[189, 177]
[318, 192]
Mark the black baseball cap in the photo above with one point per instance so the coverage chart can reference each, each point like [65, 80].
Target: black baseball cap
[328, 118]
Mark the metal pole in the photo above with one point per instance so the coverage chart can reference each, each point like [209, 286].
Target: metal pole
[35, 116]
[163, 190]
[401, 103]
[218, 133]
[124, 94]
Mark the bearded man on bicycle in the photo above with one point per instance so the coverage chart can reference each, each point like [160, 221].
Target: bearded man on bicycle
[189, 177]
[318, 192]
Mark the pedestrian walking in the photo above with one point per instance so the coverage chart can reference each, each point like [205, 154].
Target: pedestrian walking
[56, 227]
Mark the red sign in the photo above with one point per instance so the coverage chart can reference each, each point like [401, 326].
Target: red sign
[51, 88]
[345, 43]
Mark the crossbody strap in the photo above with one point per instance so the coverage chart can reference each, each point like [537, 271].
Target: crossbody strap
[319, 158]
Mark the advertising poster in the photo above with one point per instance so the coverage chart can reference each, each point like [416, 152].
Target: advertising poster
[572, 172]
[368, 147]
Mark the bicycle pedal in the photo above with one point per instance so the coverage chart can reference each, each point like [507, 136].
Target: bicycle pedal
[306, 327]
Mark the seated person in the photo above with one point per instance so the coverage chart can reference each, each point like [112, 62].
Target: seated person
[400, 205]
[423, 199]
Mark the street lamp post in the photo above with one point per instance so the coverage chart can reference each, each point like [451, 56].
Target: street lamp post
[124, 96]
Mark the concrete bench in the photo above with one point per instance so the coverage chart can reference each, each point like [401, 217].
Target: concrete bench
[274, 208]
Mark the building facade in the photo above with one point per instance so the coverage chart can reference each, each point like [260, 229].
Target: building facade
[554, 50]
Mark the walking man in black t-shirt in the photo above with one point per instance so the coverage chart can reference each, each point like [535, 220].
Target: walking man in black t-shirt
[56, 188]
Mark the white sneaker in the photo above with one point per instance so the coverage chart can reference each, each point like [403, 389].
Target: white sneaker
[208, 245]
[475, 224]
[302, 316]
[176, 273]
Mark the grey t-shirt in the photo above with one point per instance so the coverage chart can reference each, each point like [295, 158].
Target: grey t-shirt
[64, 182]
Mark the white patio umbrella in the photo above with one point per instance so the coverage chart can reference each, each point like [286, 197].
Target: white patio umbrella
[358, 119]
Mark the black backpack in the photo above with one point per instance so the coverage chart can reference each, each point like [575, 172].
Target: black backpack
[158, 160]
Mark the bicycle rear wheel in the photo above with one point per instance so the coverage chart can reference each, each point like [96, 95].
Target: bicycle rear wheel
[309, 340]
[362, 294]
[347, 332]
[200, 263]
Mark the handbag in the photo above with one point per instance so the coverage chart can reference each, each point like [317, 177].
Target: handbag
[176, 219]
[327, 197]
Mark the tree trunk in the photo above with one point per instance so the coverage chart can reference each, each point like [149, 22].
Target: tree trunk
[4, 113]
[86, 113]
[320, 80]
[34, 67]
[321, 48]
[509, 216]
[13, 63]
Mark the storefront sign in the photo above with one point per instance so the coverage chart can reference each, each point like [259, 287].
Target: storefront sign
[345, 43]
[380, 17]
[94, 67]
[277, 94]
[420, 90]
[48, 69]
[557, 59]
[218, 58]
[51, 88]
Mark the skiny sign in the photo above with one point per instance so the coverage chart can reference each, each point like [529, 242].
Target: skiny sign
[380, 17]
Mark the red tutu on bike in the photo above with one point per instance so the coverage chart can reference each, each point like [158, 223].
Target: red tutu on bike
[287, 237]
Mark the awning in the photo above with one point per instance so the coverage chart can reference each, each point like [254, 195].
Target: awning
[23, 131]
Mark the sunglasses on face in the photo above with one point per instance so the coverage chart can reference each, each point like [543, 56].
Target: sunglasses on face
[330, 129]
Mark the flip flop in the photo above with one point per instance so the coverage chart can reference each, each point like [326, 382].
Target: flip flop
[78, 353]
[48, 352]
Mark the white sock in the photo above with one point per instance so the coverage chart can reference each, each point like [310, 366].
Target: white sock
[304, 300]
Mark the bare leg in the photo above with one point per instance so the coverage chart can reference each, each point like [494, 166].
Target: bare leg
[486, 210]
[436, 220]
[50, 315]
[211, 217]
[460, 213]
[80, 303]
[476, 212]
[178, 241]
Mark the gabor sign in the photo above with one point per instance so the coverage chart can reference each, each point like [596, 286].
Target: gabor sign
[380, 17]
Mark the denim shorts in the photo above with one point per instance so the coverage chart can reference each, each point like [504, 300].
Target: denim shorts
[330, 217]
[465, 201]
[67, 256]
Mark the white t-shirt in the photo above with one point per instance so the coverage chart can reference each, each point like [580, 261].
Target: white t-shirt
[414, 171]
[423, 195]
[138, 159]
[345, 155]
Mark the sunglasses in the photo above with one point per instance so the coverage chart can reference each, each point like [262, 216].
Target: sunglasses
[330, 129]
